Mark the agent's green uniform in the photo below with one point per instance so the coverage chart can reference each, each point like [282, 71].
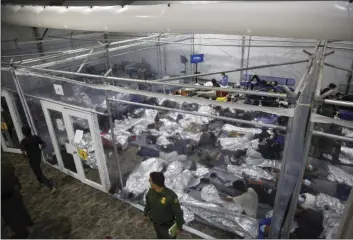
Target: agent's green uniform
[164, 210]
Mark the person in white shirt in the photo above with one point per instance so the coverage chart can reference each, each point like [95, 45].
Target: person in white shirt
[248, 199]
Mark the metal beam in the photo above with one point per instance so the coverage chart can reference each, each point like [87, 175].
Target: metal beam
[59, 102]
[235, 70]
[242, 58]
[332, 136]
[84, 62]
[339, 103]
[175, 84]
[201, 114]
[245, 107]
[294, 156]
[321, 73]
[338, 67]
[107, 73]
[248, 56]
[232, 45]
[99, 52]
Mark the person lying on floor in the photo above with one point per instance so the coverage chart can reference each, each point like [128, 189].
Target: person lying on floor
[308, 219]
[333, 189]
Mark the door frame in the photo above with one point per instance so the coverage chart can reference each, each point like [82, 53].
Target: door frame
[95, 135]
[15, 116]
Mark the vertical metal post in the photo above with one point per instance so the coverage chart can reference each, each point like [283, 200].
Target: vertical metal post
[349, 80]
[107, 58]
[242, 58]
[23, 101]
[25, 106]
[295, 156]
[248, 57]
[159, 57]
[293, 205]
[111, 123]
[192, 52]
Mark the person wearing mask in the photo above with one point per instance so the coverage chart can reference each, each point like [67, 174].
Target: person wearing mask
[13, 211]
[31, 147]
[247, 199]
[224, 81]
[162, 207]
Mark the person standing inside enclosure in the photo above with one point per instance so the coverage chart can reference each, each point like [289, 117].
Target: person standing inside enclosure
[31, 147]
[13, 211]
[162, 207]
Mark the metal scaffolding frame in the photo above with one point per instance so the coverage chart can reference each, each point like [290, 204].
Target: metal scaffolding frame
[297, 142]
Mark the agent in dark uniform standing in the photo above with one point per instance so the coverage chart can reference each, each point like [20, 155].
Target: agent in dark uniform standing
[13, 211]
[162, 207]
[31, 149]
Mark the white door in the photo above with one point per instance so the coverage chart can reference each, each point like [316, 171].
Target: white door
[11, 122]
[76, 139]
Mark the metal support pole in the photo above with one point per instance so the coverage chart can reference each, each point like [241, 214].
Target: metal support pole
[23, 101]
[349, 79]
[159, 57]
[111, 123]
[107, 57]
[108, 72]
[294, 156]
[246, 107]
[339, 103]
[278, 95]
[84, 62]
[201, 114]
[39, 44]
[234, 45]
[242, 58]
[25, 106]
[332, 136]
[293, 204]
[306, 71]
[248, 58]
[338, 67]
[83, 56]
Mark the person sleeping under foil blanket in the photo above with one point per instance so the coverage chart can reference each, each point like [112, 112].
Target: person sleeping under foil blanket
[333, 189]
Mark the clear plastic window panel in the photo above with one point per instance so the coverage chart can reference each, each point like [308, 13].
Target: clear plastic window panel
[8, 130]
[201, 158]
[326, 185]
[36, 110]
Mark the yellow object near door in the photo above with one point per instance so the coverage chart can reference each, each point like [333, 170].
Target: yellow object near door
[4, 126]
[82, 153]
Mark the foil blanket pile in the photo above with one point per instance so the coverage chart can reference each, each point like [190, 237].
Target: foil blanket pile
[165, 127]
[212, 209]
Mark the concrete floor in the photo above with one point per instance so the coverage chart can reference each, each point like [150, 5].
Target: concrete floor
[77, 210]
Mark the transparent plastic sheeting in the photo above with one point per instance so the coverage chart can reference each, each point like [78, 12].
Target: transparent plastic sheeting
[213, 210]
[87, 144]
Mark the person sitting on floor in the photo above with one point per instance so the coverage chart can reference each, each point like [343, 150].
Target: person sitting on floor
[247, 199]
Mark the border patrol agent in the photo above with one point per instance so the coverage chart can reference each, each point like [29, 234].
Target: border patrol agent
[162, 207]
